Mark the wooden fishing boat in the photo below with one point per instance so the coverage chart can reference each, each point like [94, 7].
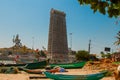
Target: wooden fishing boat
[32, 71]
[96, 76]
[38, 71]
[70, 65]
[34, 65]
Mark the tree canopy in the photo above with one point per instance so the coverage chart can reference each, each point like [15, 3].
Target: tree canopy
[82, 55]
[111, 7]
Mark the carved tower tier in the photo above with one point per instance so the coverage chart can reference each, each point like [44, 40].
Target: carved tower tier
[57, 41]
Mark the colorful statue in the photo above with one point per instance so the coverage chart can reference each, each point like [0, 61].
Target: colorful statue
[17, 42]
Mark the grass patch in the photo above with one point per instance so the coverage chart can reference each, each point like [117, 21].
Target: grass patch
[109, 73]
[116, 62]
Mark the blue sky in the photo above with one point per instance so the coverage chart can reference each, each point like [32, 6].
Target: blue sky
[30, 19]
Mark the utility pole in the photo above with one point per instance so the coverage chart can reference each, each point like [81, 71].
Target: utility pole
[89, 46]
[32, 43]
[71, 41]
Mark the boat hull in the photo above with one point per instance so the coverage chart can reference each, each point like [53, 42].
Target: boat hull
[70, 65]
[96, 76]
[34, 65]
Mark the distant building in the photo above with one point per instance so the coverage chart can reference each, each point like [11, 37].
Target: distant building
[57, 42]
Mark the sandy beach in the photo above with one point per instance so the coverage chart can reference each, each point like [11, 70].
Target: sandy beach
[87, 69]
[26, 76]
[14, 77]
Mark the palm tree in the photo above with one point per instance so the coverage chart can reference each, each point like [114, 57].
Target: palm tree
[118, 39]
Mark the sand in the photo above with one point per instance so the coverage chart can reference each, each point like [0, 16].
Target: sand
[14, 77]
[26, 76]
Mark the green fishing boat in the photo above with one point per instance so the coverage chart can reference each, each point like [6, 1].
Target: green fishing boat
[70, 65]
[34, 65]
[96, 76]
[27, 67]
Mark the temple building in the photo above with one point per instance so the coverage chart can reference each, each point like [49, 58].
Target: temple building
[57, 41]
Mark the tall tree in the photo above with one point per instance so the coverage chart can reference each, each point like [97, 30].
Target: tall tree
[111, 7]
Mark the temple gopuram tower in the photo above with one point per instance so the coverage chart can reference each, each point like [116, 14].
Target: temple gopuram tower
[57, 41]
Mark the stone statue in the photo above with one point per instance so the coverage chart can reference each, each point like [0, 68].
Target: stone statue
[17, 42]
